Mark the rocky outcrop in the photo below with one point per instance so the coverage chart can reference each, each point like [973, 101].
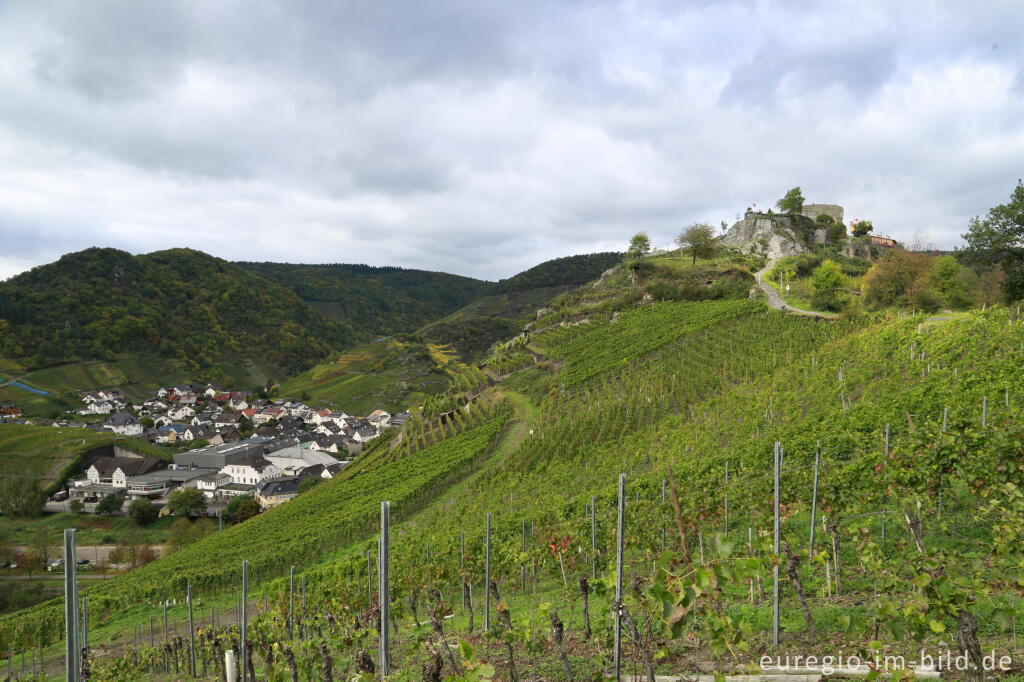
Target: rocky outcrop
[771, 235]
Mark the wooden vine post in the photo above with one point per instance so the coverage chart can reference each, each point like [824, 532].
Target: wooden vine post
[384, 592]
[814, 499]
[775, 569]
[291, 603]
[244, 622]
[487, 576]
[618, 572]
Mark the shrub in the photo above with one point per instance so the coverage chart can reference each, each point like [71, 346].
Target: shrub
[851, 308]
[827, 282]
[890, 279]
[928, 300]
[805, 263]
[725, 288]
[110, 504]
[143, 511]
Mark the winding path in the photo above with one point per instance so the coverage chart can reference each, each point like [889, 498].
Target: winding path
[775, 299]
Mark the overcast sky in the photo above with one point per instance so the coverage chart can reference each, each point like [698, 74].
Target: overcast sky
[482, 137]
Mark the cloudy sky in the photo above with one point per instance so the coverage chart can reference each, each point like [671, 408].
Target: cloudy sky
[482, 137]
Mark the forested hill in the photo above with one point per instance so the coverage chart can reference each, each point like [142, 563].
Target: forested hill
[569, 270]
[373, 301]
[182, 304]
[376, 301]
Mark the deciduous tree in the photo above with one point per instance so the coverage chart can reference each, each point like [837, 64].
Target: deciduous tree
[639, 246]
[42, 542]
[699, 239]
[827, 282]
[187, 502]
[793, 202]
[998, 241]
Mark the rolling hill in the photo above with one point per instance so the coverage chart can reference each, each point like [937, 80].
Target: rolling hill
[102, 318]
[916, 422]
[369, 302]
[180, 306]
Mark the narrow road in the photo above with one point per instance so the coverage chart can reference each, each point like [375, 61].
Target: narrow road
[775, 300]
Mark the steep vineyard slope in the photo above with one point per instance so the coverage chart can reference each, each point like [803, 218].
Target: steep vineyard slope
[901, 412]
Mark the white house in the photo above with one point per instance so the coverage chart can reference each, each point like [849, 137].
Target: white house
[116, 470]
[124, 424]
[180, 413]
[364, 434]
[209, 483]
[99, 407]
[252, 469]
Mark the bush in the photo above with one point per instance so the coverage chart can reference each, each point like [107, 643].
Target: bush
[890, 279]
[110, 505]
[187, 501]
[76, 506]
[928, 300]
[851, 308]
[242, 507]
[854, 267]
[805, 263]
[827, 282]
[664, 291]
[724, 288]
[143, 511]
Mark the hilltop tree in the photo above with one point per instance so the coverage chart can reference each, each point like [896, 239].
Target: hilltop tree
[699, 239]
[998, 241]
[861, 228]
[793, 202]
[639, 246]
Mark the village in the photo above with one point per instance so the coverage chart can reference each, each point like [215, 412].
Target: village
[225, 443]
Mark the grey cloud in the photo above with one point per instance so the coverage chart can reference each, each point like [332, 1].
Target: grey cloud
[860, 68]
[1018, 83]
[482, 138]
[112, 49]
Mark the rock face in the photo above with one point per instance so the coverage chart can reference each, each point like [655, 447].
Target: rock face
[772, 235]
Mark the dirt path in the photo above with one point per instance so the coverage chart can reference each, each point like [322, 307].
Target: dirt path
[775, 299]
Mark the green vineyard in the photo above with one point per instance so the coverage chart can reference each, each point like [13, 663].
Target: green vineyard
[901, 435]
